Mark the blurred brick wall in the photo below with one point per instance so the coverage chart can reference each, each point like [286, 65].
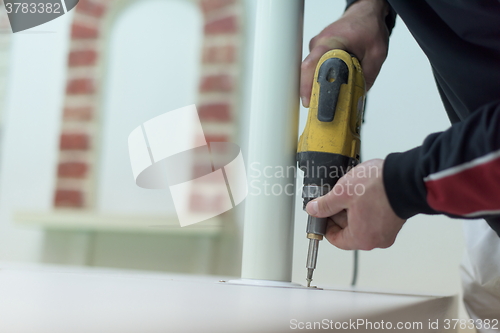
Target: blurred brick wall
[80, 130]
[218, 91]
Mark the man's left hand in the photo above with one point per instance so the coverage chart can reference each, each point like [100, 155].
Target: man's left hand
[360, 215]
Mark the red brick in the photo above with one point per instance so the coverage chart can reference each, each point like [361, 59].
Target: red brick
[74, 141]
[72, 170]
[219, 54]
[80, 86]
[78, 113]
[216, 138]
[215, 112]
[80, 31]
[224, 25]
[216, 150]
[210, 5]
[221, 83]
[91, 8]
[82, 58]
[68, 198]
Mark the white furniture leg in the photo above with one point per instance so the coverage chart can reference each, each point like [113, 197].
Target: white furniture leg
[269, 211]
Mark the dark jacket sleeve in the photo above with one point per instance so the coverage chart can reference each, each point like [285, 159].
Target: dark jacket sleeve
[390, 19]
[455, 172]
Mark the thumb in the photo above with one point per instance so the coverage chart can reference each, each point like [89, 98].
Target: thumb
[325, 206]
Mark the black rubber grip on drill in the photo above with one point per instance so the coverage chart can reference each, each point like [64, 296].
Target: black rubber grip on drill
[332, 74]
[316, 225]
[324, 169]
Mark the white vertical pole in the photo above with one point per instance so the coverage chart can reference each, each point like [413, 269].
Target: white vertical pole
[268, 229]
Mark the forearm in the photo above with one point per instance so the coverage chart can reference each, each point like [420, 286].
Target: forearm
[455, 172]
[377, 8]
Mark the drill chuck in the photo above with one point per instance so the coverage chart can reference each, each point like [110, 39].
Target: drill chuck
[316, 226]
[315, 229]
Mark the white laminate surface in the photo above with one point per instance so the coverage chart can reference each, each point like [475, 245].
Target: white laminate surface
[58, 299]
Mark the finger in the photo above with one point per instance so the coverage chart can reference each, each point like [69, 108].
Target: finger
[371, 64]
[370, 71]
[307, 72]
[332, 227]
[340, 219]
[341, 238]
[327, 205]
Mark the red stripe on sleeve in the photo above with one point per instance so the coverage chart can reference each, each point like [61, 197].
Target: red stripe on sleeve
[471, 190]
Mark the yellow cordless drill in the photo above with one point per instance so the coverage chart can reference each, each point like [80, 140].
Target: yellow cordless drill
[330, 143]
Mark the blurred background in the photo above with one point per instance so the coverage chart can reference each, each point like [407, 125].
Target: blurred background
[73, 89]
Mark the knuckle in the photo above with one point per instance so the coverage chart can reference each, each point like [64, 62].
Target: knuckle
[379, 52]
[330, 206]
[307, 64]
[366, 246]
[387, 242]
[325, 205]
[312, 42]
[371, 242]
[338, 191]
[323, 46]
[351, 31]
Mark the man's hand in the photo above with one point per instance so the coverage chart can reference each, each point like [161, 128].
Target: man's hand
[360, 216]
[361, 31]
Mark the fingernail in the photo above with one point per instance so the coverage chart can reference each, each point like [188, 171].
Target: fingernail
[305, 102]
[312, 208]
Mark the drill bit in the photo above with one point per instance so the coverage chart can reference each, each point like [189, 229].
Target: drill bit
[310, 272]
[312, 255]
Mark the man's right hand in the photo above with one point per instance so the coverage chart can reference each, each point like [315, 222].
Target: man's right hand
[361, 31]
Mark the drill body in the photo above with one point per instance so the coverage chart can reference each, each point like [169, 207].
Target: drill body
[330, 144]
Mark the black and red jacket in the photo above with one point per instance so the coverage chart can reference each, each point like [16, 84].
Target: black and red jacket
[455, 172]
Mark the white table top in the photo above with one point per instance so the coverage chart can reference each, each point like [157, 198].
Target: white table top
[71, 300]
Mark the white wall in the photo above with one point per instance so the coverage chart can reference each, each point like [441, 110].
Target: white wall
[31, 119]
[151, 69]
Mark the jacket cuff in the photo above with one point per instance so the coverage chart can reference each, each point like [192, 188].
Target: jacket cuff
[404, 184]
